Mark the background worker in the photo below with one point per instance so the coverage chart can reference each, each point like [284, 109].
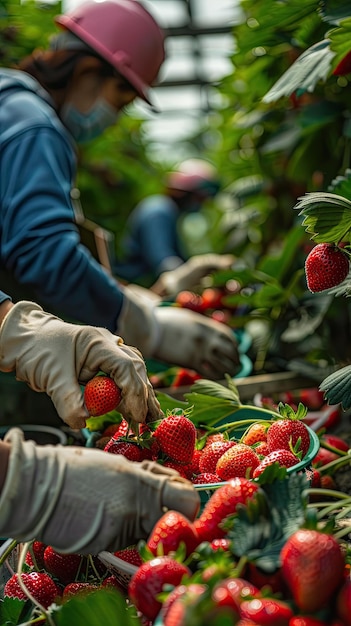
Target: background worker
[72, 498]
[153, 252]
[107, 54]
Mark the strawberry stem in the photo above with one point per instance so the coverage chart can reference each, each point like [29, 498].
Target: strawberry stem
[8, 551]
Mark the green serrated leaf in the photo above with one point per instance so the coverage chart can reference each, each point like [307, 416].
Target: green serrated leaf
[100, 607]
[327, 216]
[260, 529]
[217, 390]
[13, 610]
[312, 66]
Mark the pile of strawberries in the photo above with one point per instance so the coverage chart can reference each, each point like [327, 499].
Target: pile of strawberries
[188, 573]
[211, 456]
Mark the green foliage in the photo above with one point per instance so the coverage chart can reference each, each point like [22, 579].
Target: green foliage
[259, 529]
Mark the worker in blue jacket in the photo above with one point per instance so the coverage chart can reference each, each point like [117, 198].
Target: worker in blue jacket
[105, 55]
[166, 268]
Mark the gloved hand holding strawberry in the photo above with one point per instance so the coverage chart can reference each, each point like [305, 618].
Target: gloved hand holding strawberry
[53, 356]
[82, 499]
[189, 274]
[179, 336]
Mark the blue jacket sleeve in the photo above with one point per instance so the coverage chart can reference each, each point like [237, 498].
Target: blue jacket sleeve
[40, 242]
[152, 237]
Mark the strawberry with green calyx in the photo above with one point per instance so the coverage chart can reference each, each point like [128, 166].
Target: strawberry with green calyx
[284, 458]
[149, 580]
[169, 532]
[101, 395]
[326, 266]
[39, 584]
[289, 432]
[176, 436]
[222, 503]
[313, 566]
[128, 448]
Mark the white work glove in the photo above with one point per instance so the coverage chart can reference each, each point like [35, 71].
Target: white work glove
[53, 356]
[85, 500]
[179, 337]
[189, 274]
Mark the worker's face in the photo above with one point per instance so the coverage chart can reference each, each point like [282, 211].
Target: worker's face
[93, 100]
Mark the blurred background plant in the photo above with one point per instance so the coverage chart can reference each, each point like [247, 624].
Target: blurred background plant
[281, 128]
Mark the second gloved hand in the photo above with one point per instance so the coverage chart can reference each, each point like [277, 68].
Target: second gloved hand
[53, 356]
[189, 274]
[86, 500]
[179, 337]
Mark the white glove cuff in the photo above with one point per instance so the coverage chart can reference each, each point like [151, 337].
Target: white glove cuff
[13, 332]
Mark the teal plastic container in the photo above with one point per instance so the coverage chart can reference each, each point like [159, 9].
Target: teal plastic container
[206, 490]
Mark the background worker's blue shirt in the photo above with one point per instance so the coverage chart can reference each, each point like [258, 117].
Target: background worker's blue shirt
[151, 239]
[39, 240]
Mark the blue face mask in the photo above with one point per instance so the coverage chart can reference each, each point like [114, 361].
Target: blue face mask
[86, 126]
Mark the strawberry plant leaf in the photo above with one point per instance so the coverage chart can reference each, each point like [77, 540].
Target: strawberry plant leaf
[341, 185]
[337, 387]
[100, 607]
[208, 409]
[260, 529]
[340, 40]
[217, 390]
[312, 66]
[14, 611]
[326, 216]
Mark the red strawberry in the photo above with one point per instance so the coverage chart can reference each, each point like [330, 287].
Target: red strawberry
[283, 457]
[213, 437]
[179, 467]
[328, 482]
[130, 449]
[313, 398]
[189, 300]
[175, 606]
[185, 377]
[222, 503]
[193, 467]
[176, 435]
[101, 395]
[130, 555]
[212, 453]
[336, 442]
[149, 580]
[37, 548]
[233, 591]
[65, 567]
[325, 267]
[78, 588]
[323, 457]
[286, 433]
[313, 566]
[206, 479]
[240, 460]
[266, 611]
[169, 531]
[343, 603]
[255, 433]
[212, 298]
[40, 585]
[262, 449]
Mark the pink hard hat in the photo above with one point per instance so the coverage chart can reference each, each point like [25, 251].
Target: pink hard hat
[194, 175]
[124, 34]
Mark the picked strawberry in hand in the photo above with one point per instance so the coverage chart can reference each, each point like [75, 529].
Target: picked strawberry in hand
[101, 395]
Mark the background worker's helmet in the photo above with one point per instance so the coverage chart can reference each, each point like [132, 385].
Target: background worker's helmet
[124, 34]
[194, 175]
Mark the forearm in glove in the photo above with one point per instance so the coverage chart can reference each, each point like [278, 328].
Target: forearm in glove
[189, 274]
[179, 337]
[86, 500]
[55, 357]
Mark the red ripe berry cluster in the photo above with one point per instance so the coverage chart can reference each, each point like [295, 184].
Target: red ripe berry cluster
[326, 266]
[212, 457]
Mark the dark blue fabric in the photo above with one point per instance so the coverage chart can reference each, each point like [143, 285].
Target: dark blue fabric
[151, 238]
[39, 240]
[3, 297]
